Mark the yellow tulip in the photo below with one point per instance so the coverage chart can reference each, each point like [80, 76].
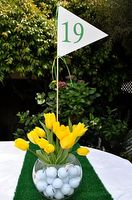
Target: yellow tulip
[49, 148]
[39, 131]
[56, 126]
[33, 137]
[60, 131]
[67, 142]
[49, 120]
[42, 143]
[83, 151]
[21, 144]
[79, 129]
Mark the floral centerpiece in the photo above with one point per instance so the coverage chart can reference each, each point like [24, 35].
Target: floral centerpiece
[57, 172]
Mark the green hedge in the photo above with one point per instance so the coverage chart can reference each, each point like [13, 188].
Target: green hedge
[28, 44]
[27, 39]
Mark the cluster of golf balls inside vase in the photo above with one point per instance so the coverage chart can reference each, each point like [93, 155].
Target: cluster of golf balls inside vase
[58, 183]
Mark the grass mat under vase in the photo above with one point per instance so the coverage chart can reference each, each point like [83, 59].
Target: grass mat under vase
[91, 188]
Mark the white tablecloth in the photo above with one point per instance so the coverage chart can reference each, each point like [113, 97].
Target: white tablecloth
[114, 172]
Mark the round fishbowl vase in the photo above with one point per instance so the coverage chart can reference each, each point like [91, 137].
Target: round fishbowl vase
[57, 181]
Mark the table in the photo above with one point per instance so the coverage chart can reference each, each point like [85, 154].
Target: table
[114, 172]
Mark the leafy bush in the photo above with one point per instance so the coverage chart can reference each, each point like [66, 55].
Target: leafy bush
[26, 39]
[75, 100]
[112, 126]
[108, 133]
[113, 131]
[26, 122]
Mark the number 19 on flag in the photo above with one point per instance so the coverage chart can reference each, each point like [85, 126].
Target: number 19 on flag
[77, 29]
[74, 33]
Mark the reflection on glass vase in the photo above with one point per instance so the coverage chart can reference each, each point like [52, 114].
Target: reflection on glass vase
[57, 181]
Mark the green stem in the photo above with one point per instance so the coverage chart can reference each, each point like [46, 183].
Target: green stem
[64, 61]
[47, 157]
[53, 66]
[57, 146]
[59, 157]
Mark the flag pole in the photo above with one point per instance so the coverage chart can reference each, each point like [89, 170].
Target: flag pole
[57, 88]
[57, 72]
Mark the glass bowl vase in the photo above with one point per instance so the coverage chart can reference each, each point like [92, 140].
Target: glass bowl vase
[57, 181]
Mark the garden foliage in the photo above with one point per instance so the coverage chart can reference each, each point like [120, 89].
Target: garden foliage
[28, 41]
[28, 47]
